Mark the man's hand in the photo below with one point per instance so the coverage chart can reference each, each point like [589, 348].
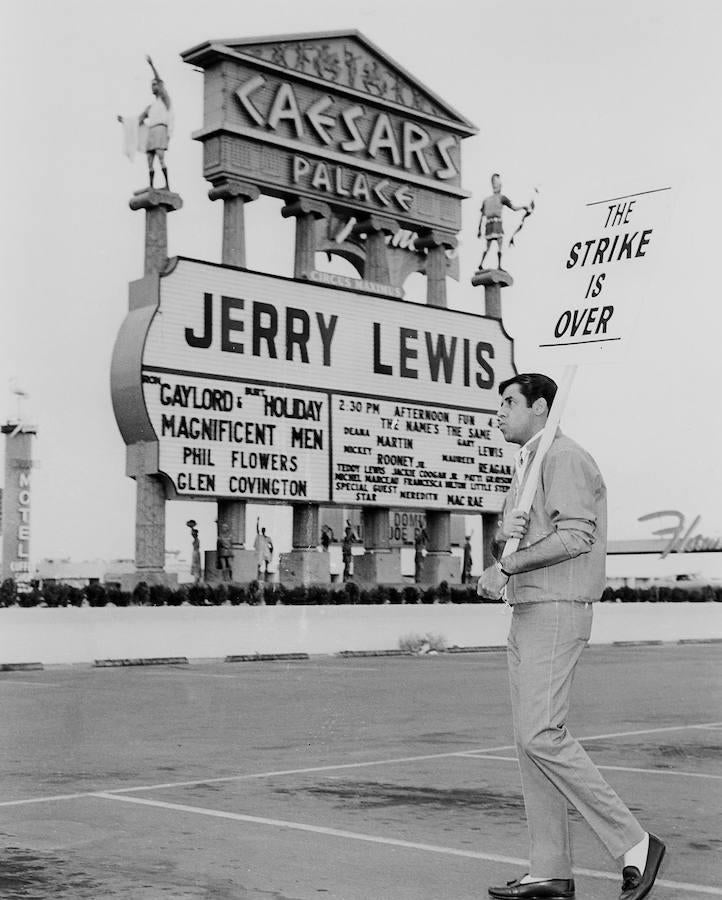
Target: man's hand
[492, 583]
[515, 525]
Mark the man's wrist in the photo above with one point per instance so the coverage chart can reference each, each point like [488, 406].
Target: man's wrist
[501, 568]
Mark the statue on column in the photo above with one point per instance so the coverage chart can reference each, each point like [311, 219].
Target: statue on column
[224, 552]
[263, 545]
[151, 131]
[491, 210]
[421, 539]
[196, 555]
[349, 538]
[467, 561]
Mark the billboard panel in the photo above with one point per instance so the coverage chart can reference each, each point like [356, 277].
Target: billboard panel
[265, 388]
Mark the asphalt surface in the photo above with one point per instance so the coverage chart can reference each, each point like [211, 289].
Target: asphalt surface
[346, 779]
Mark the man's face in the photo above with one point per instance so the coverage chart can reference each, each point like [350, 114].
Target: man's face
[496, 184]
[517, 421]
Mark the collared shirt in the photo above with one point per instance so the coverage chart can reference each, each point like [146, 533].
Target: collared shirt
[523, 455]
[571, 500]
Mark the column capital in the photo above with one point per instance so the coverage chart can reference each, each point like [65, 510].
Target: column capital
[376, 223]
[232, 188]
[430, 238]
[491, 278]
[154, 198]
[302, 206]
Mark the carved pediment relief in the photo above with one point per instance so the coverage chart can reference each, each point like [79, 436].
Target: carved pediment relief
[348, 60]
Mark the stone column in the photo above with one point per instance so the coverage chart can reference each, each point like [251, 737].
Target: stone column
[234, 194]
[149, 528]
[436, 244]
[305, 212]
[439, 564]
[376, 228]
[243, 566]
[493, 280]
[157, 204]
[149, 490]
[305, 564]
[380, 564]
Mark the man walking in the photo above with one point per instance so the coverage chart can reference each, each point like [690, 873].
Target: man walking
[551, 582]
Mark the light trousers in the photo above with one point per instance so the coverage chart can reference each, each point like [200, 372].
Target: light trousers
[546, 640]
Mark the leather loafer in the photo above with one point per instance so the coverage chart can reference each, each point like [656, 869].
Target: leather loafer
[636, 884]
[551, 889]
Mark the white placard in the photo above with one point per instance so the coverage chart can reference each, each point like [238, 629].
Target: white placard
[601, 265]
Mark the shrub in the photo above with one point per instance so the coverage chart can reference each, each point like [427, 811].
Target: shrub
[159, 594]
[218, 593]
[316, 595]
[8, 593]
[198, 594]
[237, 594]
[416, 643]
[141, 594]
[98, 595]
[118, 597]
[410, 594]
[394, 595]
[28, 599]
[352, 592]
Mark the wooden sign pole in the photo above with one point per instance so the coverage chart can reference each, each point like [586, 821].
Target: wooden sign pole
[550, 429]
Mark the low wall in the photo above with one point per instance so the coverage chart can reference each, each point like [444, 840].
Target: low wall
[81, 635]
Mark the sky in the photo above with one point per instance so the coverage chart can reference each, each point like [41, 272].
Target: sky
[570, 98]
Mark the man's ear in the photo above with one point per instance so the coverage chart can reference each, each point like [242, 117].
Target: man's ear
[539, 406]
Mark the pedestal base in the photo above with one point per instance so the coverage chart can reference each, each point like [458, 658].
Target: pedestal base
[304, 567]
[438, 567]
[378, 567]
[243, 569]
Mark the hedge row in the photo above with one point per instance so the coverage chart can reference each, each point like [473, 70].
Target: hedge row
[56, 595]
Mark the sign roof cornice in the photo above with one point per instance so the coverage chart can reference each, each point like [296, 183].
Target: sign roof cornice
[239, 48]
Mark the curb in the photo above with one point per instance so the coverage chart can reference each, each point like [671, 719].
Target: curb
[148, 661]
[21, 667]
[265, 657]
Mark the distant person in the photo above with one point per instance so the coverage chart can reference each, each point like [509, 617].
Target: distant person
[263, 545]
[467, 561]
[327, 537]
[491, 210]
[224, 552]
[349, 538]
[551, 583]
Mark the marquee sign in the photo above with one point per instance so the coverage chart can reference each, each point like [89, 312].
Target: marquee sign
[257, 387]
[331, 117]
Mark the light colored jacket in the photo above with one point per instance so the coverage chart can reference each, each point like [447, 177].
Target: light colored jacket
[571, 499]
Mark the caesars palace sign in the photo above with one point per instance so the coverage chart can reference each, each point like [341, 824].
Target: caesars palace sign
[331, 117]
[241, 385]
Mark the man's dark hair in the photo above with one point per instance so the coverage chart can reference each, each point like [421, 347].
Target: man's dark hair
[532, 386]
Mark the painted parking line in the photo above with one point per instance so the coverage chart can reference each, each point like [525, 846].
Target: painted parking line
[482, 755]
[376, 839]
[334, 767]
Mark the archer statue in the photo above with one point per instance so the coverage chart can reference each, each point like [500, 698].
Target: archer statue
[491, 210]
